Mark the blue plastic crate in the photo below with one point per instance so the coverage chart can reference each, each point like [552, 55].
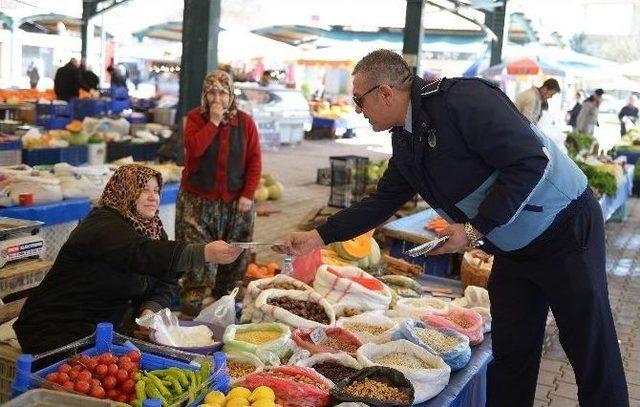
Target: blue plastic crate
[105, 341]
[145, 151]
[54, 109]
[52, 122]
[10, 143]
[117, 106]
[120, 93]
[136, 118]
[142, 105]
[432, 265]
[88, 108]
[74, 155]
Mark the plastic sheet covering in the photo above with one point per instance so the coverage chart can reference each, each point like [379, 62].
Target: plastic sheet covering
[105, 340]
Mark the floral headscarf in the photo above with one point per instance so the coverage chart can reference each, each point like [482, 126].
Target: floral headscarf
[219, 80]
[123, 190]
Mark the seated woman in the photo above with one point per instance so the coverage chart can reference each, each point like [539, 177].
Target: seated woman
[116, 265]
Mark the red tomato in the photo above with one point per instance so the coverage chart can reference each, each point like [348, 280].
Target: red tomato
[73, 374]
[95, 382]
[109, 382]
[132, 373]
[122, 375]
[77, 368]
[82, 386]
[85, 375]
[112, 369]
[84, 359]
[124, 359]
[106, 358]
[134, 356]
[115, 359]
[128, 386]
[52, 377]
[113, 394]
[68, 385]
[64, 368]
[122, 398]
[97, 392]
[101, 370]
[63, 378]
[91, 365]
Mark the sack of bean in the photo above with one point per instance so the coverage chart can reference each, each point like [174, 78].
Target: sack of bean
[376, 386]
[333, 366]
[370, 327]
[242, 364]
[280, 282]
[476, 299]
[262, 340]
[293, 385]
[465, 321]
[450, 345]
[417, 307]
[298, 309]
[353, 286]
[326, 340]
[427, 372]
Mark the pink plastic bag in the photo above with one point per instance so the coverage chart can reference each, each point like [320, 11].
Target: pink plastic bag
[305, 266]
[289, 392]
[465, 321]
[302, 338]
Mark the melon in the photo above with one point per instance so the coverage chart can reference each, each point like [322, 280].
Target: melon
[354, 249]
[269, 179]
[262, 194]
[373, 259]
[275, 191]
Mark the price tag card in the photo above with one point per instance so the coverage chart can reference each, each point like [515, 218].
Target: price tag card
[318, 335]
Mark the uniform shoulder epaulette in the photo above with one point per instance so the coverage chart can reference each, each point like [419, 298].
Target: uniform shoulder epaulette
[431, 88]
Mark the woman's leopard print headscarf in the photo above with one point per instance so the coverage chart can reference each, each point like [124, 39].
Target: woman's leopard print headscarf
[219, 80]
[123, 190]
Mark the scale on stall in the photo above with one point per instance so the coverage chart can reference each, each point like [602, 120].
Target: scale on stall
[19, 239]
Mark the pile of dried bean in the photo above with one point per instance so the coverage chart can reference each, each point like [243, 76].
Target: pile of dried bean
[403, 360]
[376, 390]
[360, 327]
[301, 379]
[333, 371]
[257, 337]
[304, 309]
[239, 369]
[458, 320]
[339, 344]
[283, 285]
[437, 340]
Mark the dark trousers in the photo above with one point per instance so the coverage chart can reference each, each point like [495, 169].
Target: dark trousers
[564, 270]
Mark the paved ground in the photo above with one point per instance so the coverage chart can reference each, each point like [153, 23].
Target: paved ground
[296, 167]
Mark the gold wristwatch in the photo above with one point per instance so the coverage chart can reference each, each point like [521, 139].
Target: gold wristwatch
[472, 238]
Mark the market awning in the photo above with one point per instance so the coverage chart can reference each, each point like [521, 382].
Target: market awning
[524, 66]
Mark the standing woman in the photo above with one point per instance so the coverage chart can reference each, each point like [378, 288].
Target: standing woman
[221, 174]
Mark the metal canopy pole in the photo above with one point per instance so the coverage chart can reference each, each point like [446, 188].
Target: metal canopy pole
[413, 33]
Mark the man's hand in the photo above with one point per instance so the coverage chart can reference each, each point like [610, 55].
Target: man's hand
[457, 243]
[216, 111]
[299, 243]
[142, 332]
[221, 252]
[244, 204]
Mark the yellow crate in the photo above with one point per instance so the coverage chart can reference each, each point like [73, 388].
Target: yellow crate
[8, 364]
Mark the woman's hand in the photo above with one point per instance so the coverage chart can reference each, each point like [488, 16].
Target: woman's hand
[244, 204]
[216, 112]
[142, 332]
[221, 252]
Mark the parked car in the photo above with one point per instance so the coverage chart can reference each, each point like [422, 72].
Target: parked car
[282, 115]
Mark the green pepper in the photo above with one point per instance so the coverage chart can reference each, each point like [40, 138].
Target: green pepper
[175, 384]
[158, 384]
[140, 393]
[180, 375]
[153, 392]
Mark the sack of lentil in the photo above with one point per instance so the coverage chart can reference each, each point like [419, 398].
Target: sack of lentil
[476, 299]
[351, 286]
[262, 340]
[242, 364]
[376, 386]
[370, 327]
[450, 345]
[427, 372]
[326, 340]
[333, 366]
[298, 309]
[280, 282]
[465, 321]
[293, 385]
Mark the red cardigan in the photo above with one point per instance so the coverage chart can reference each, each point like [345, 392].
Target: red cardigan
[199, 134]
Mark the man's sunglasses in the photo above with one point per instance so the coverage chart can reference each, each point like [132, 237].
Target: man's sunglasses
[359, 100]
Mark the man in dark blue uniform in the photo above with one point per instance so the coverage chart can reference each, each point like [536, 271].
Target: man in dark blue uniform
[465, 148]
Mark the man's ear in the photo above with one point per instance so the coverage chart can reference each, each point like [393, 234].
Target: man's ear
[386, 93]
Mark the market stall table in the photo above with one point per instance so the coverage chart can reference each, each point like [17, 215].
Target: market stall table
[614, 207]
[408, 232]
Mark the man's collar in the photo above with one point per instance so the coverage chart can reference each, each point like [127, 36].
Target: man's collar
[408, 125]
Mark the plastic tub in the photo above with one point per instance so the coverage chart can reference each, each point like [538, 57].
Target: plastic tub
[218, 333]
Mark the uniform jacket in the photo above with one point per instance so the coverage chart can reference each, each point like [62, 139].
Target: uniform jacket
[473, 157]
[105, 272]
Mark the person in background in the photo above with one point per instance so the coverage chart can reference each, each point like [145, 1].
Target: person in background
[88, 79]
[572, 115]
[530, 101]
[221, 174]
[66, 83]
[116, 265]
[34, 76]
[465, 148]
[266, 79]
[118, 78]
[629, 113]
[587, 119]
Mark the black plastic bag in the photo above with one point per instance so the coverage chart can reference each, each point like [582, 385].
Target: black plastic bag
[387, 375]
